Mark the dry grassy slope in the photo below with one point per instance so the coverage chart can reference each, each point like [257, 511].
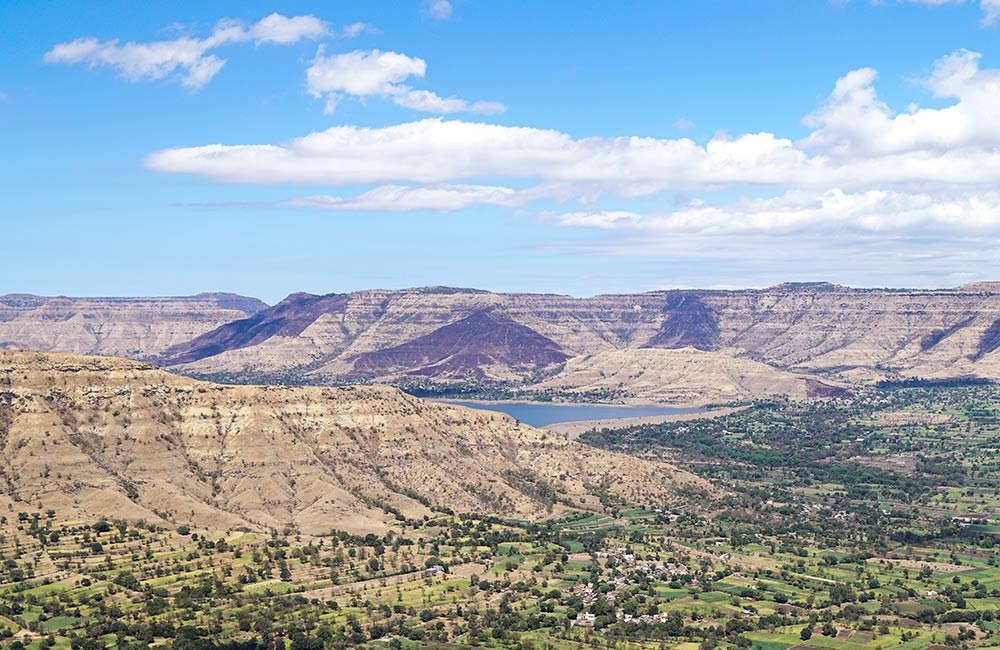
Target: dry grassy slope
[861, 333]
[130, 327]
[110, 437]
[376, 320]
[686, 375]
[836, 333]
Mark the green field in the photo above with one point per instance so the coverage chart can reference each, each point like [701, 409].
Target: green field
[868, 523]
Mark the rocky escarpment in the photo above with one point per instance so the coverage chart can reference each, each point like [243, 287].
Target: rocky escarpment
[104, 437]
[825, 333]
[139, 328]
[483, 345]
[795, 339]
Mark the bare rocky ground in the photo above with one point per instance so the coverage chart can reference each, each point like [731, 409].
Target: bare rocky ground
[105, 437]
[692, 346]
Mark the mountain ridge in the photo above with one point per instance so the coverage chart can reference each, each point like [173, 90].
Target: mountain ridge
[819, 338]
[107, 437]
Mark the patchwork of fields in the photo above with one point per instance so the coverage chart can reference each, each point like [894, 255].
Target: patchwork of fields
[860, 524]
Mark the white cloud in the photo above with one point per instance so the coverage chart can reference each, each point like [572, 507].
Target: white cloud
[374, 73]
[990, 8]
[991, 11]
[424, 100]
[854, 122]
[857, 143]
[362, 73]
[435, 150]
[357, 29]
[400, 198]
[282, 30]
[439, 9]
[185, 58]
[873, 211]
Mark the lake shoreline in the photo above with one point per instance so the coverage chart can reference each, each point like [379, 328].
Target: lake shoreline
[583, 416]
[574, 430]
[627, 403]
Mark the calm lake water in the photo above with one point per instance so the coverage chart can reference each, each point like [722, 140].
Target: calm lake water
[540, 414]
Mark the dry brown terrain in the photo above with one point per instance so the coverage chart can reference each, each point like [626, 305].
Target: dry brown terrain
[801, 340]
[137, 328]
[573, 430]
[108, 437]
[680, 346]
[684, 376]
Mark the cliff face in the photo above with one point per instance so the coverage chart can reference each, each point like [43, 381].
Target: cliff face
[132, 327]
[107, 437]
[794, 339]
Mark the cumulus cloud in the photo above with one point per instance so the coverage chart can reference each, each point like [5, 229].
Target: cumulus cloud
[374, 73]
[855, 122]
[434, 150]
[857, 142]
[186, 58]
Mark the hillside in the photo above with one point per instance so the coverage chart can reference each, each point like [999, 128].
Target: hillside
[686, 375]
[103, 437]
[137, 328]
[798, 339]
[778, 337]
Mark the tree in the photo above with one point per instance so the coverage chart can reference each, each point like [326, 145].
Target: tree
[806, 633]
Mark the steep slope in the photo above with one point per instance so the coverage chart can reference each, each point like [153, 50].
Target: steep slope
[818, 329]
[483, 345]
[139, 328]
[687, 322]
[108, 437]
[445, 336]
[288, 319]
[685, 375]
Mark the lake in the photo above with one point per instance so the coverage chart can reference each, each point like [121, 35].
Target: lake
[540, 414]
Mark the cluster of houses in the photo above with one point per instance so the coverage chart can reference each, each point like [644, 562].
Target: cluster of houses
[589, 594]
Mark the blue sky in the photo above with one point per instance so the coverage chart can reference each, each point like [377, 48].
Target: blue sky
[521, 146]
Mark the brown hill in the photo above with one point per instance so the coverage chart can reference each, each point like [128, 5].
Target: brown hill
[106, 437]
[827, 333]
[138, 328]
[830, 333]
[483, 345]
[687, 375]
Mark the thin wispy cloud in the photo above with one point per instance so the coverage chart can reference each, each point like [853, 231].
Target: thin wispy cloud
[401, 198]
[357, 29]
[990, 8]
[439, 9]
[187, 59]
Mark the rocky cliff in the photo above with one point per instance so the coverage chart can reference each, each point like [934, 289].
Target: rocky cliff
[798, 339]
[138, 328]
[105, 437]
[795, 339]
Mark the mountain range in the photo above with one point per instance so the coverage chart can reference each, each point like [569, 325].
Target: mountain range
[796, 339]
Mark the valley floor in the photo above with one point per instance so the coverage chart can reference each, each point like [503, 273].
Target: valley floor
[862, 524]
